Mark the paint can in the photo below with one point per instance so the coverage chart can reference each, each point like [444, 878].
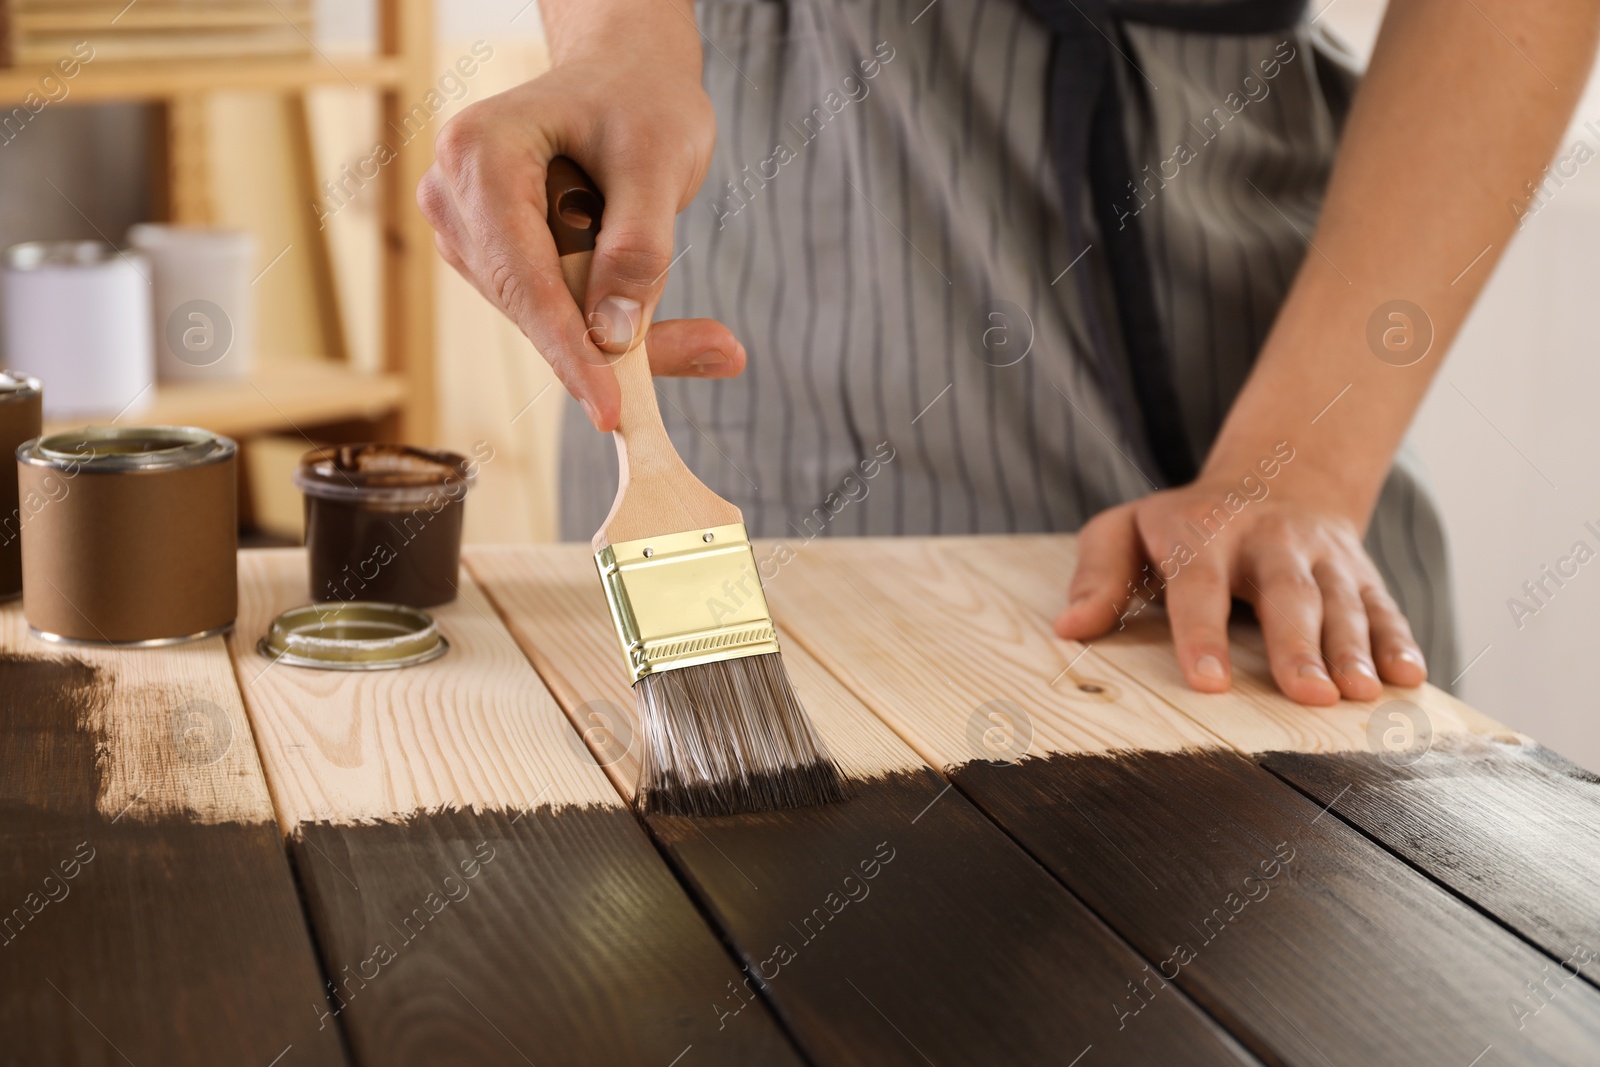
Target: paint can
[78, 315]
[383, 522]
[138, 543]
[20, 420]
[204, 307]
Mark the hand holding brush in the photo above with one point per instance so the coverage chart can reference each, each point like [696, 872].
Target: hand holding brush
[722, 728]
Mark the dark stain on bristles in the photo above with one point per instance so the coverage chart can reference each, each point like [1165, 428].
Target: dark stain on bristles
[728, 737]
[158, 940]
[1301, 936]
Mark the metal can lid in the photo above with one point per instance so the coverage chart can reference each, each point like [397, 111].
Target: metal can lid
[383, 474]
[40, 255]
[15, 386]
[127, 448]
[358, 635]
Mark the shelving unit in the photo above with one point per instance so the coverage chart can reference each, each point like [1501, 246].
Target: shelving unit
[289, 397]
[279, 398]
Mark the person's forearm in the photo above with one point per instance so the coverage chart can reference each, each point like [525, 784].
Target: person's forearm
[625, 31]
[1451, 123]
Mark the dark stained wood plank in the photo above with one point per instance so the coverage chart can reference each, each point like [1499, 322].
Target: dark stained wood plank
[1347, 956]
[1477, 806]
[141, 921]
[897, 927]
[1512, 827]
[1284, 922]
[480, 891]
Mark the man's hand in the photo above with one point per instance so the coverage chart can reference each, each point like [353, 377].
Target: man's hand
[1331, 627]
[644, 130]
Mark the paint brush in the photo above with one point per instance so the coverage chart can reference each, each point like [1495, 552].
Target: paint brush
[722, 729]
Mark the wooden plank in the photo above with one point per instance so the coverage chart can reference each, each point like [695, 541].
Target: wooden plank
[1479, 807]
[1332, 947]
[149, 914]
[279, 396]
[897, 927]
[479, 890]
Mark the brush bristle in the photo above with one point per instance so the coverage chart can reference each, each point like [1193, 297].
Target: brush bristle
[729, 737]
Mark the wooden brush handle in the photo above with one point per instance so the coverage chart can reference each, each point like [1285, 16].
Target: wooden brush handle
[656, 493]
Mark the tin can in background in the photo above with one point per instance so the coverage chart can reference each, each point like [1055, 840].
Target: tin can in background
[204, 308]
[78, 315]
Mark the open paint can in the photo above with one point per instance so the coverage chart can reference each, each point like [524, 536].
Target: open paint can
[138, 542]
[20, 420]
[383, 522]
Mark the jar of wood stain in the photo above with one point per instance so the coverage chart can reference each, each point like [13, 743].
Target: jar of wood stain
[383, 522]
[20, 421]
[136, 539]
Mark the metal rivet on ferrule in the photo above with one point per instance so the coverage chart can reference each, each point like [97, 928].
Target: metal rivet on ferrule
[709, 535]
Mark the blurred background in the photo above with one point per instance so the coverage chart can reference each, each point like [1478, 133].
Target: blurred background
[306, 123]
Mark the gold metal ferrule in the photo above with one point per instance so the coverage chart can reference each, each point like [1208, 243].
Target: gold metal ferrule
[685, 599]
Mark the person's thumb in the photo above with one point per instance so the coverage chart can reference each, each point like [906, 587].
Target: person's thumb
[1109, 556]
[631, 257]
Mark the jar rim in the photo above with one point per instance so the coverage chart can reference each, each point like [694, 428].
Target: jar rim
[383, 473]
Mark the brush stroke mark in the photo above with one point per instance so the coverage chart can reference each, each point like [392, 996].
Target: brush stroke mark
[1364, 959]
[881, 937]
[163, 941]
[562, 937]
[1513, 828]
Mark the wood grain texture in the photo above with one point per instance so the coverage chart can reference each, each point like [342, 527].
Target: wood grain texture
[479, 890]
[1156, 836]
[1252, 716]
[147, 910]
[1479, 807]
[1512, 827]
[899, 926]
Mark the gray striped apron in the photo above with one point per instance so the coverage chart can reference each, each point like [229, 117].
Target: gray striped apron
[937, 344]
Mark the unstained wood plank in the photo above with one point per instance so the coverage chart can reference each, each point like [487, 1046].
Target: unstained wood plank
[480, 892]
[897, 927]
[147, 909]
[1312, 944]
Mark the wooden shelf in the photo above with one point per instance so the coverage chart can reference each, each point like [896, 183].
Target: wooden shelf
[99, 81]
[276, 400]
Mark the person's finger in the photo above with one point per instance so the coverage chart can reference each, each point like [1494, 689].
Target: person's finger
[1346, 641]
[1108, 563]
[511, 255]
[694, 348]
[1398, 657]
[631, 255]
[1289, 607]
[1198, 602]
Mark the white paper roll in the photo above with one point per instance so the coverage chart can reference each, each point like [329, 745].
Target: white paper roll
[78, 318]
[204, 307]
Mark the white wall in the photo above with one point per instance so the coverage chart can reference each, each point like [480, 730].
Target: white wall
[1511, 436]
